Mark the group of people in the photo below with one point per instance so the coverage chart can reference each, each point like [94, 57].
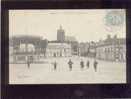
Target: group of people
[70, 64]
[82, 65]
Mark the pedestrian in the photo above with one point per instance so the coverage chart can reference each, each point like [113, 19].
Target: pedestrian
[70, 64]
[55, 65]
[28, 64]
[88, 64]
[95, 65]
[82, 64]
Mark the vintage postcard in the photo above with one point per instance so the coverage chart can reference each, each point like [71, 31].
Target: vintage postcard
[67, 46]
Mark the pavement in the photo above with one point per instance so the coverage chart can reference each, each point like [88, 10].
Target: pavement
[44, 73]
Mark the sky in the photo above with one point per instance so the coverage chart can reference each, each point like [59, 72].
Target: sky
[85, 25]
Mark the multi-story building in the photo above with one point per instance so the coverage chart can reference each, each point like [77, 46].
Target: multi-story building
[75, 50]
[111, 49]
[92, 49]
[56, 49]
[84, 49]
[24, 48]
[61, 38]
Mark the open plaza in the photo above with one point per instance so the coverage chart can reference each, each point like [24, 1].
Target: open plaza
[44, 73]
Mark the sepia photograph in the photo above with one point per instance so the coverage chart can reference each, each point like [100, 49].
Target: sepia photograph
[72, 46]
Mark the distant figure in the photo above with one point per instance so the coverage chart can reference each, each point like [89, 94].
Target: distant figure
[55, 65]
[82, 64]
[88, 64]
[28, 64]
[70, 64]
[95, 65]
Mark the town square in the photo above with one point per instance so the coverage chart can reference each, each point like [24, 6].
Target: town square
[45, 73]
[63, 54]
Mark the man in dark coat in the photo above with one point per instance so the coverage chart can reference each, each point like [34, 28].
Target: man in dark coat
[70, 64]
[28, 64]
[55, 65]
[82, 64]
[88, 64]
[29, 60]
[95, 65]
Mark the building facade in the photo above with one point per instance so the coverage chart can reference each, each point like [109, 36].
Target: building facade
[58, 50]
[112, 49]
[26, 48]
[92, 49]
[84, 49]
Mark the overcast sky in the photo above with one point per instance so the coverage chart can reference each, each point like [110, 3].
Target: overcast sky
[85, 25]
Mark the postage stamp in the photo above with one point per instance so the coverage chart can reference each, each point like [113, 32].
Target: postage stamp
[114, 19]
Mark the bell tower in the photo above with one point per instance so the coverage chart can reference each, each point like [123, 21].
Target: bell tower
[60, 34]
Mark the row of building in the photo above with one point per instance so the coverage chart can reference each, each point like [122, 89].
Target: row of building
[112, 49]
[23, 48]
[109, 49]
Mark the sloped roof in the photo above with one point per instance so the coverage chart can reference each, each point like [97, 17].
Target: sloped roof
[112, 41]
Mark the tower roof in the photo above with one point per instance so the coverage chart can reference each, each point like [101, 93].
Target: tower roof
[61, 27]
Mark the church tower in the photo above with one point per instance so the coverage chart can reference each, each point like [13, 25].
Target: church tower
[60, 34]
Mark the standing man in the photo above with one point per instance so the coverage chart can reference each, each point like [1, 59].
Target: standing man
[28, 63]
[82, 64]
[55, 65]
[70, 64]
[88, 64]
[95, 65]
[29, 60]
